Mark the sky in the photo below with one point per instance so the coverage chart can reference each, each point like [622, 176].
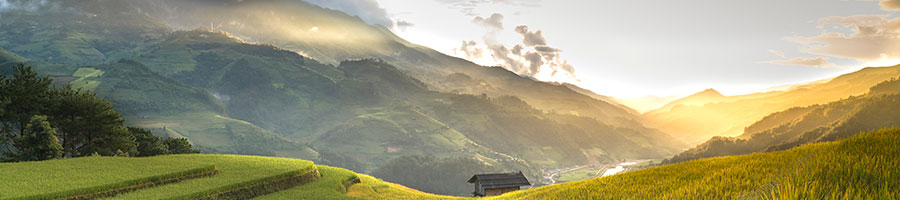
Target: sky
[630, 49]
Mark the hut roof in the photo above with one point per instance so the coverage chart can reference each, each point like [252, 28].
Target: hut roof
[501, 180]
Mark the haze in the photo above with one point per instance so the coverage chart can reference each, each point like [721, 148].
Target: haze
[629, 49]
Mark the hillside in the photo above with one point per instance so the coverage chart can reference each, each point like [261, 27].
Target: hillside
[697, 123]
[697, 99]
[848, 169]
[228, 95]
[801, 125]
[340, 37]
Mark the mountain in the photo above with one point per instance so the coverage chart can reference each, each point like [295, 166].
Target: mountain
[697, 123]
[646, 103]
[697, 99]
[226, 93]
[331, 36]
[802, 125]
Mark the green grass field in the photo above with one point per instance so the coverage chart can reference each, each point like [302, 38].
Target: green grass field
[69, 177]
[78, 176]
[862, 167]
[234, 171]
[329, 186]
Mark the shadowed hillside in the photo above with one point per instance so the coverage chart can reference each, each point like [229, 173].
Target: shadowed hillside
[364, 107]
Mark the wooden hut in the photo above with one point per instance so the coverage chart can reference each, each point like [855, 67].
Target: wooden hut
[496, 184]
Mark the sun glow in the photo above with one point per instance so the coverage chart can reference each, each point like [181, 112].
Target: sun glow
[883, 61]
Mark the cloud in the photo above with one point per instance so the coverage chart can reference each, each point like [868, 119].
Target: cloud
[369, 10]
[818, 61]
[812, 62]
[532, 57]
[890, 4]
[402, 25]
[531, 38]
[776, 52]
[494, 22]
[871, 38]
[6, 5]
[470, 49]
[468, 6]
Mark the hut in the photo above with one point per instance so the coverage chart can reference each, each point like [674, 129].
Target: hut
[496, 184]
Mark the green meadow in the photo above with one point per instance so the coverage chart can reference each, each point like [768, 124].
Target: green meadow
[861, 167]
[78, 176]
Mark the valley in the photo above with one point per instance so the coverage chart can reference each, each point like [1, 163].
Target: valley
[283, 99]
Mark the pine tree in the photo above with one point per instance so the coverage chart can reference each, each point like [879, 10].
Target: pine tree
[147, 143]
[39, 141]
[88, 124]
[25, 96]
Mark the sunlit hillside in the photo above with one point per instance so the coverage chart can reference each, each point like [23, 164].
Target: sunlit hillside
[847, 169]
[801, 125]
[729, 117]
[856, 168]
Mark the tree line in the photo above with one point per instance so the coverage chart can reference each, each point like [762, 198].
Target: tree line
[40, 122]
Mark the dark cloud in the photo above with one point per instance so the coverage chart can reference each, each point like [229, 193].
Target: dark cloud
[531, 38]
[368, 10]
[890, 4]
[546, 49]
[493, 23]
[535, 61]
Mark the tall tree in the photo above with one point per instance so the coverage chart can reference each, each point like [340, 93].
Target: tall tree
[88, 124]
[147, 143]
[39, 142]
[27, 95]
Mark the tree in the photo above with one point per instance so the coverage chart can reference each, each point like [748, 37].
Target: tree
[179, 146]
[88, 124]
[39, 141]
[25, 96]
[147, 143]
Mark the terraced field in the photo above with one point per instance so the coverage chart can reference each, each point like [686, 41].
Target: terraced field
[160, 177]
[71, 177]
[862, 167]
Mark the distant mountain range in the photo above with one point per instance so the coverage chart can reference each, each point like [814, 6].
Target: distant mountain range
[250, 77]
[697, 120]
[877, 109]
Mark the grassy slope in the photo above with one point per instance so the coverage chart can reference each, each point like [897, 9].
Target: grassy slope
[233, 170]
[862, 167]
[69, 177]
